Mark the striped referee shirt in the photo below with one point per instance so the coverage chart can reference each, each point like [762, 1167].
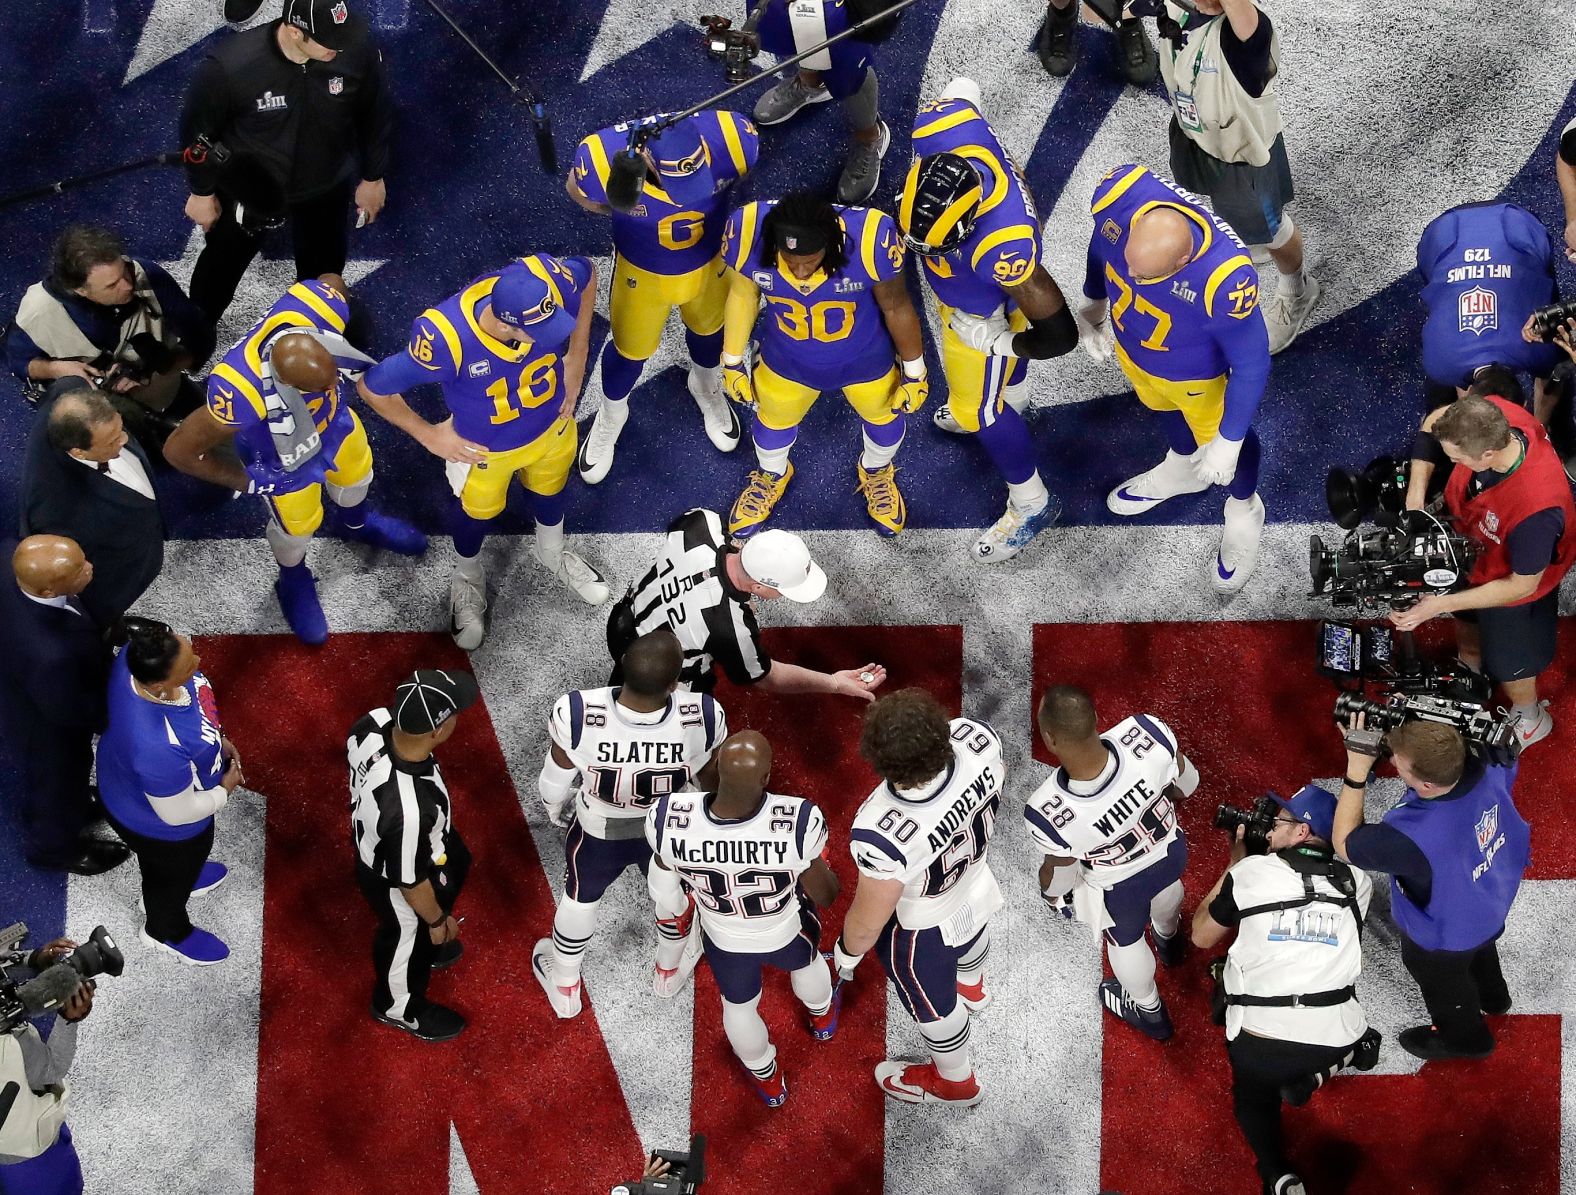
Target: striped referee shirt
[399, 811]
[688, 590]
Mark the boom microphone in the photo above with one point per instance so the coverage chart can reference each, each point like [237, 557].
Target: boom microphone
[625, 179]
[49, 990]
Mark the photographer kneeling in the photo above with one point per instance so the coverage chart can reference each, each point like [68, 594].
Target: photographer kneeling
[1287, 990]
[36, 1153]
[1509, 494]
[1455, 849]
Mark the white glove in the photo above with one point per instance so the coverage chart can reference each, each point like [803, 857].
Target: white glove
[1095, 334]
[1217, 463]
[1060, 903]
[989, 334]
[844, 961]
[562, 814]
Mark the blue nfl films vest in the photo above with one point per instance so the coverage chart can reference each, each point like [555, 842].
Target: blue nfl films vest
[1477, 845]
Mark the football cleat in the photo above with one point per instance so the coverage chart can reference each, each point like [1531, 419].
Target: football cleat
[467, 611]
[666, 983]
[785, 100]
[757, 500]
[566, 1002]
[596, 452]
[920, 1083]
[722, 421]
[1285, 316]
[1238, 554]
[773, 1091]
[946, 421]
[824, 1026]
[297, 592]
[384, 531]
[580, 578]
[883, 500]
[862, 172]
[1013, 532]
[1155, 1023]
[974, 996]
[1172, 477]
[1537, 729]
[1170, 951]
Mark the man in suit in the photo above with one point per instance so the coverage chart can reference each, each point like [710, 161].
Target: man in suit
[83, 478]
[53, 676]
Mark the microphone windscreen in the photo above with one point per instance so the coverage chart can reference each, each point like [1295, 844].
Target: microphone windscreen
[49, 990]
[625, 180]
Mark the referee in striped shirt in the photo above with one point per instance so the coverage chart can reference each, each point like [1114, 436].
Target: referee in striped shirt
[701, 587]
[410, 862]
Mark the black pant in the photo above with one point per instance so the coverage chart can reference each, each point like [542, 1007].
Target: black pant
[57, 762]
[319, 234]
[402, 948]
[1259, 1067]
[169, 869]
[1457, 986]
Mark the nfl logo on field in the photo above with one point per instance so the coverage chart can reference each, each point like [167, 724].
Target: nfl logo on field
[1487, 827]
[1478, 309]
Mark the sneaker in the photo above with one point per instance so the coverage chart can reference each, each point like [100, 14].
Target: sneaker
[946, 421]
[566, 1002]
[436, 1023]
[1011, 533]
[1499, 1010]
[448, 954]
[1171, 478]
[862, 171]
[757, 500]
[920, 1083]
[773, 1091]
[824, 1027]
[1427, 1043]
[596, 452]
[667, 983]
[1365, 1054]
[296, 589]
[580, 578]
[784, 100]
[1287, 1184]
[883, 500]
[1238, 554]
[210, 877]
[974, 996]
[467, 611]
[1538, 729]
[384, 531]
[1140, 63]
[197, 949]
[1057, 43]
[1170, 951]
[1285, 316]
[722, 420]
[1155, 1023]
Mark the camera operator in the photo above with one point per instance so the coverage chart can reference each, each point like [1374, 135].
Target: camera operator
[104, 319]
[1455, 850]
[1565, 175]
[37, 1156]
[1508, 492]
[1287, 989]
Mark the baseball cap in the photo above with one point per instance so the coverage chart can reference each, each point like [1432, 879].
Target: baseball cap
[781, 559]
[327, 22]
[426, 699]
[683, 163]
[522, 299]
[1312, 806]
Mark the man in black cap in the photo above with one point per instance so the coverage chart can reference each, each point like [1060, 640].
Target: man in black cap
[410, 862]
[302, 107]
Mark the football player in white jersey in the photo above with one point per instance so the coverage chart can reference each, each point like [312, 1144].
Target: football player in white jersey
[926, 892]
[750, 860]
[1114, 853]
[627, 746]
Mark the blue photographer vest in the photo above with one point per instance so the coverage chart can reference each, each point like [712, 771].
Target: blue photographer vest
[1477, 846]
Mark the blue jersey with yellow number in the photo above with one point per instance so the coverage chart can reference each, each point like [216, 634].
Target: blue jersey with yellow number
[1196, 324]
[502, 396]
[661, 236]
[1004, 246]
[241, 386]
[826, 331]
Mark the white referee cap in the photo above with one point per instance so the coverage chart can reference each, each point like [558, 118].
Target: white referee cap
[781, 560]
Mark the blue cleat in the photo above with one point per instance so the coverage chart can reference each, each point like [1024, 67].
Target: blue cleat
[1155, 1022]
[385, 531]
[1013, 532]
[297, 590]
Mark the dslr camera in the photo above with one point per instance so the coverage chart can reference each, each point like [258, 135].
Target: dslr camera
[53, 986]
[138, 361]
[1548, 321]
[1256, 823]
[686, 1172]
[735, 48]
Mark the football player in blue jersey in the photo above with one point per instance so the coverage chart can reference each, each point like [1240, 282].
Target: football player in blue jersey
[509, 352]
[968, 215]
[1183, 298]
[281, 394]
[665, 257]
[837, 317]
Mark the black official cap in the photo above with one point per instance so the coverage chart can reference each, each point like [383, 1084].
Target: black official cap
[427, 699]
[327, 22]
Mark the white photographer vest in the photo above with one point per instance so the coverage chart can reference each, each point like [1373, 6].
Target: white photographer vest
[1210, 103]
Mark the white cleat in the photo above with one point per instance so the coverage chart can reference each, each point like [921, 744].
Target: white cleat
[944, 419]
[1172, 477]
[963, 89]
[1016, 396]
[467, 611]
[668, 984]
[596, 453]
[580, 578]
[722, 421]
[1285, 317]
[1239, 545]
[566, 1002]
[1011, 533]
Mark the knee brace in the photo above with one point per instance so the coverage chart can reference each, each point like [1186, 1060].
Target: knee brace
[345, 496]
[1282, 235]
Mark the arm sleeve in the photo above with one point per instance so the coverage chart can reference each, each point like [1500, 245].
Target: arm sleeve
[189, 807]
[375, 120]
[1224, 907]
[1532, 542]
[1426, 448]
[47, 1062]
[1250, 61]
[185, 318]
[1094, 273]
[1384, 848]
[207, 112]
[1568, 144]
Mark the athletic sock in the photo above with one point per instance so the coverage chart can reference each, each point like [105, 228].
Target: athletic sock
[1292, 285]
[813, 985]
[878, 453]
[1028, 497]
[948, 1040]
[573, 925]
[1134, 968]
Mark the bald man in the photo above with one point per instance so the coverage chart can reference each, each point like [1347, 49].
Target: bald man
[278, 394]
[750, 861]
[53, 675]
[1185, 326]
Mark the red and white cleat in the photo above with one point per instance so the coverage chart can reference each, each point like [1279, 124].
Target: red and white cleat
[668, 984]
[773, 1091]
[919, 1083]
[974, 996]
[566, 1002]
